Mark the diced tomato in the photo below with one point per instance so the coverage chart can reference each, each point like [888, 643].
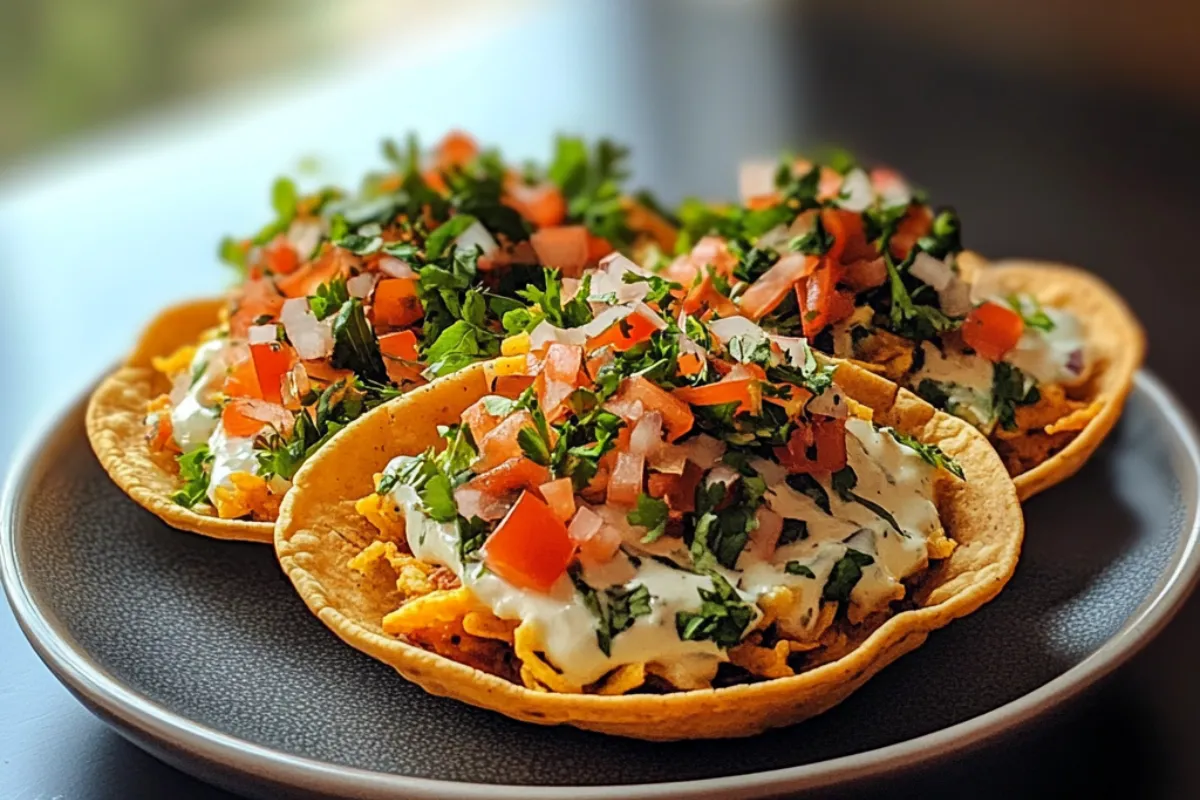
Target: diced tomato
[500, 443]
[690, 363]
[677, 417]
[677, 491]
[565, 247]
[246, 417]
[598, 248]
[543, 205]
[530, 547]
[760, 201]
[714, 251]
[645, 221]
[479, 420]
[511, 386]
[324, 371]
[746, 392]
[624, 333]
[272, 361]
[992, 330]
[704, 298]
[257, 299]
[560, 496]
[916, 222]
[625, 483]
[242, 380]
[396, 303]
[401, 344]
[332, 263]
[280, 257]
[866, 274]
[849, 240]
[816, 446]
[457, 149]
[516, 473]
[766, 293]
[821, 302]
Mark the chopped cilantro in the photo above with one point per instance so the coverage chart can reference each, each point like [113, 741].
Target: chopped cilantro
[845, 575]
[472, 534]
[722, 619]
[1011, 388]
[814, 243]
[1031, 312]
[330, 297]
[194, 470]
[796, 568]
[931, 453]
[807, 484]
[844, 481]
[794, 530]
[446, 233]
[614, 608]
[910, 319]
[354, 344]
[650, 513]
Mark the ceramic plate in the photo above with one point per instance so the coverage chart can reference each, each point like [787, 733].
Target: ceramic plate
[199, 651]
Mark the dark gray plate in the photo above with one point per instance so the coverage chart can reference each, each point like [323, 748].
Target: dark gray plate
[199, 651]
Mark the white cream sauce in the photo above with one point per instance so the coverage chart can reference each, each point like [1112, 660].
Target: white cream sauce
[966, 378]
[230, 454]
[890, 474]
[194, 416]
[1045, 355]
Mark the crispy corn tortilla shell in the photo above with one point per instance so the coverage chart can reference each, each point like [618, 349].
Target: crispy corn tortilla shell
[116, 426]
[1115, 340]
[319, 532]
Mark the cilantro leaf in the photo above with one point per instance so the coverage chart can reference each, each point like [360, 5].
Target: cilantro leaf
[1011, 388]
[194, 470]
[794, 530]
[931, 453]
[650, 513]
[807, 484]
[1031, 312]
[722, 619]
[909, 319]
[329, 298]
[845, 575]
[472, 533]
[354, 344]
[445, 234]
[796, 568]
[615, 608]
[844, 481]
[233, 253]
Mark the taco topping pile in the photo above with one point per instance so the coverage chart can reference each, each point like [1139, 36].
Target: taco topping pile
[346, 301]
[649, 499]
[860, 264]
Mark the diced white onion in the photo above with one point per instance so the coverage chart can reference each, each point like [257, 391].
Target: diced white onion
[545, 334]
[585, 524]
[668, 458]
[263, 334]
[646, 435]
[830, 403]
[722, 474]
[794, 348]
[857, 192]
[304, 235]
[704, 451]
[395, 268]
[756, 177]
[603, 321]
[775, 239]
[650, 314]
[932, 271]
[361, 285]
[729, 327]
[477, 235]
[311, 337]
[955, 298]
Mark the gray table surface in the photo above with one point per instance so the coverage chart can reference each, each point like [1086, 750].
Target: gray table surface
[110, 230]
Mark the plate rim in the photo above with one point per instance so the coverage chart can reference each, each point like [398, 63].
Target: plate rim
[132, 713]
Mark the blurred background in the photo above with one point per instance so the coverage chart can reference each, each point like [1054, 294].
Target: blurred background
[135, 133]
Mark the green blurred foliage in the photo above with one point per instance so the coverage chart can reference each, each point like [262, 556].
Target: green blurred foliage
[69, 65]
